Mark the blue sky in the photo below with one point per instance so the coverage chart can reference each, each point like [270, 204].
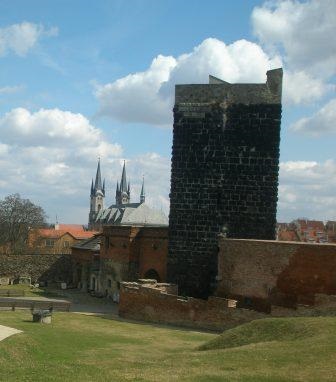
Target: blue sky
[82, 79]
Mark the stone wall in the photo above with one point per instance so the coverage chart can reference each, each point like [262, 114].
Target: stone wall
[225, 162]
[49, 268]
[156, 303]
[261, 273]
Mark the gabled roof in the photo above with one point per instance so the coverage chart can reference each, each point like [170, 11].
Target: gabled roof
[69, 227]
[82, 235]
[92, 244]
[56, 234]
[132, 214]
[49, 233]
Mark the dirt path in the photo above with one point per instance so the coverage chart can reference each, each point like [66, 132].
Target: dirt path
[82, 302]
[6, 331]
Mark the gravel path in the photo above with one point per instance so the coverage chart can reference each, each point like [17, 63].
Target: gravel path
[6, 331]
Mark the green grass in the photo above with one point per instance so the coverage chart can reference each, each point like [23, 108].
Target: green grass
[89, 348]
[32, 291]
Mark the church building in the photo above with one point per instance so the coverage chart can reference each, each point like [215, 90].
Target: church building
[123, 212]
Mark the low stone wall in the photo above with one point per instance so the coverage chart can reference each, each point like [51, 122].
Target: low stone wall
[260, 274]
[50, 268]
[154, 302]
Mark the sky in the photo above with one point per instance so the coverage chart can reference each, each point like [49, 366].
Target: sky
[85, 79]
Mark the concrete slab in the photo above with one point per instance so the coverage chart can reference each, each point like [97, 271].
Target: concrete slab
[6, 331]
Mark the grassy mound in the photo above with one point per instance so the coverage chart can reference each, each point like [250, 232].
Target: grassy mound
[266, 330]
[82, 348]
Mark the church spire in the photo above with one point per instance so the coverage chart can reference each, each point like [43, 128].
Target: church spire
[97, 196]
[91, 192]
[98, 182]
[123, 183]
[142, 193]
[123, 191]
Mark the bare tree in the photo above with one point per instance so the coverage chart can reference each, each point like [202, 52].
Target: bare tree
[17, 217]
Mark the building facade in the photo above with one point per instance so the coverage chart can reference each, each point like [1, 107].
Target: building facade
[120, 253]
[56, 241]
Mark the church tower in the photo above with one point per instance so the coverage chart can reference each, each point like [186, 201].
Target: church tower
[123, 193]
[97, 196]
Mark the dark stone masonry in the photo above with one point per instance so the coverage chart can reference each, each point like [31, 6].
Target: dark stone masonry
[225, 166]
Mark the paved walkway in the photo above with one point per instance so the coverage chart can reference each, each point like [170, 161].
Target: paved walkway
[81, 302]
[84, 303]
[6, 331]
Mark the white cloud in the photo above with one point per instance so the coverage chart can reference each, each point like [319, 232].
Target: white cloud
[320, 123]
[51, 155]
[307, 188]
[147, 97]
[48, 153]
[55, 128]
[296, 35]
[135, 98]
[11, 89]
[21, 38]
[301, 88]
[305, 30]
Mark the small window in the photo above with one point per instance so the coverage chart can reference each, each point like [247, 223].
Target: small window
[50, 243]
[66, 244]
[109, 283]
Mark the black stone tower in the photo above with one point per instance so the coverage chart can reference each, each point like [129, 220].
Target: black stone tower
[225, 166]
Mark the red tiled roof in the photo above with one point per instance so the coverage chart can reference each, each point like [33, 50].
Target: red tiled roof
[69, 227]
[82, 234]
[49, 232]
[287, 236]
[55, 234]
[311, 224]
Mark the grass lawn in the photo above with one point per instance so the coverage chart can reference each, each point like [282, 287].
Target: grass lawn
[90, 348]
[32, 292]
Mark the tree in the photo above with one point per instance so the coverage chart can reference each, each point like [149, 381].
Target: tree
[17, 217]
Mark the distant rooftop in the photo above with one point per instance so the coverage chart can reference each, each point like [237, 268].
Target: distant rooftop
[132, 214]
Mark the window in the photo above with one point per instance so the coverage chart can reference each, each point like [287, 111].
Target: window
[109, 283]
[50, 243]
[66, 244]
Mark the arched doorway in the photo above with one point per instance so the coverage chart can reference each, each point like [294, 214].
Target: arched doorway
[152, 274]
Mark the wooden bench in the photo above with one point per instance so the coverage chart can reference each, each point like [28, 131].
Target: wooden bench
[58, 305]
[12, 293]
